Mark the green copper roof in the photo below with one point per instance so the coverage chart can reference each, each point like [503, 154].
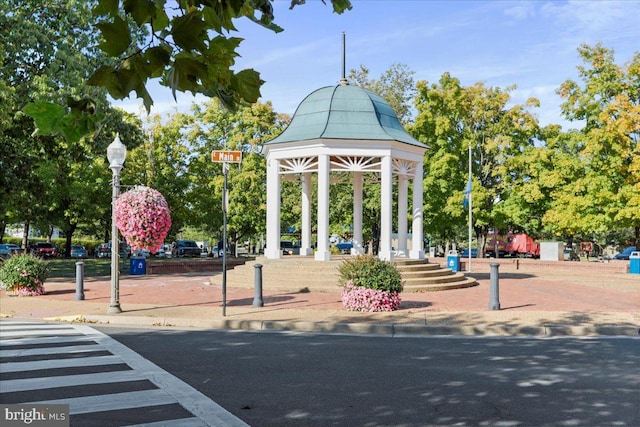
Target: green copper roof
[345, 112]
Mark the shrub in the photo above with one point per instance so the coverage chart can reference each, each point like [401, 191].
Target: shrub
[359, 298]
[370, 272]
[369, 284]
[24, 274]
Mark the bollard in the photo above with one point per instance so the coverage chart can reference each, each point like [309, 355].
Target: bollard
[494, 301]
[79, 281]
[257, 290]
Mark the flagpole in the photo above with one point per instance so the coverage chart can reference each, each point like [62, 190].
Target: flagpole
[470, 209]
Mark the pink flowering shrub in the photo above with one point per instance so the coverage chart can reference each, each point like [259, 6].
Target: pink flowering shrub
[143, 218]
[369, 284]
[24, 275]
[359, 298]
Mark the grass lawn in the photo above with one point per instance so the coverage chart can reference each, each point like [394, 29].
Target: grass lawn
[94, 267]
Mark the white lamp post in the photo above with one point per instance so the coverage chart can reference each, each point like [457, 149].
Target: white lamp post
[116, 153]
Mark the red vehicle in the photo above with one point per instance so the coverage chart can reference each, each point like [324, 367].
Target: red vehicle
[522, 245]
[496, 243]
[44, 250]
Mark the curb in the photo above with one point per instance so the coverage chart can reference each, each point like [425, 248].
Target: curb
[383, 329]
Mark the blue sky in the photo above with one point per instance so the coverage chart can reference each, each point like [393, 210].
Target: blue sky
[530, 44]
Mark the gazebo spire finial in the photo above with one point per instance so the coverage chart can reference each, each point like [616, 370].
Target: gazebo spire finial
[343, 80]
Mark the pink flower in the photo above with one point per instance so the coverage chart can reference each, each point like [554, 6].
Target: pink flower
[143, 217]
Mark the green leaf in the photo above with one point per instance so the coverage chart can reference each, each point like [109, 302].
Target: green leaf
[189, 31]
[339, 6]
[157, 59]
[106, 77]
[116, 36]
[141, 10]
[106, 7]
[247, 84]
[46, 115]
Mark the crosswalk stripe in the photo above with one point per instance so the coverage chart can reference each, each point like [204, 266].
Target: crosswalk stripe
[11, 386]
[25, 333]
[75, 349]
[58, 339]
[182, 422]
[113, 402]
[42, 340]
[58, 363]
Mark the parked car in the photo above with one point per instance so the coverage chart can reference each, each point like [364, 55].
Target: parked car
[344, 246]
[44, 250]
[5, 251]
[78, 251]
[185, 248]
[289, 248]
[9, 249]
[625, 253]
[162, 252]
[465, 253]
[103, 250]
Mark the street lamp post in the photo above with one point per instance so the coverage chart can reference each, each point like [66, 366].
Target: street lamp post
[116, 153]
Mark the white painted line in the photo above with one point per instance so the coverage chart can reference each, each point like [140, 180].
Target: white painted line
[182, 422]
[112, 402]
[61, 363]
[191, 399]
[42, 340]
[26, 352]
[25, 384]
[45, 332]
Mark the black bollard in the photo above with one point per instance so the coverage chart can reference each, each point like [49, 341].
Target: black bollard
[494, 301]
[79, 281]
[257, 290]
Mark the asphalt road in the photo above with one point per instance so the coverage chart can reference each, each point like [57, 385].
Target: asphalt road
[286, 379]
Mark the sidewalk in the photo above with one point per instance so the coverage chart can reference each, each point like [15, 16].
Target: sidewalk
[534, 303]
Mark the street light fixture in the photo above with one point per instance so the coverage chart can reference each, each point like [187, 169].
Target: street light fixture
[116, 153]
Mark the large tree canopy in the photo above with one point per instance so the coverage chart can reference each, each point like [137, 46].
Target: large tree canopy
[187, 46]
[603, 192]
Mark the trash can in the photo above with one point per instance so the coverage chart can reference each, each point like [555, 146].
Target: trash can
[453, 261]
[634, 262]
[137, 265]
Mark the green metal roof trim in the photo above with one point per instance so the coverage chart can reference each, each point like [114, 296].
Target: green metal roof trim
[345, 112]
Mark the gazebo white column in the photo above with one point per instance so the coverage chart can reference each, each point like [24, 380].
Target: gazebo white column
[417, 248]
[386, 208]
[357, 248]
[403, 188]
[305, 249]
[273, 210]
[322, 251]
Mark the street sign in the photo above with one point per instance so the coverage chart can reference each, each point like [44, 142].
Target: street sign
[219, 156]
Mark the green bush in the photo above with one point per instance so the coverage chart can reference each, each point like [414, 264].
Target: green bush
[24, 274]
[370, 272]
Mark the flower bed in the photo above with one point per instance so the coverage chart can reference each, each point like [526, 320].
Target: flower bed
[359, 298]
[370, 284]
[23, 275]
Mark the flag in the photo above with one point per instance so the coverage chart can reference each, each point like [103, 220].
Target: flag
[467, 194]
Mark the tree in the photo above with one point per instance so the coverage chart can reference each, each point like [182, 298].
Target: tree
[188, 47]
[451, 118]
[603, 194]
[395, 85]
[218, 128]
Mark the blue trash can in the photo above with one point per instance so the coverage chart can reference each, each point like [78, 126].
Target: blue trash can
[137, 265]
[453, 261]
[634, 262]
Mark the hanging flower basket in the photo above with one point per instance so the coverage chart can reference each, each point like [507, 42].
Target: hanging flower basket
[143, 218]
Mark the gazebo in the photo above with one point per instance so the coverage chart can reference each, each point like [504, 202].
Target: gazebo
[351, 130]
